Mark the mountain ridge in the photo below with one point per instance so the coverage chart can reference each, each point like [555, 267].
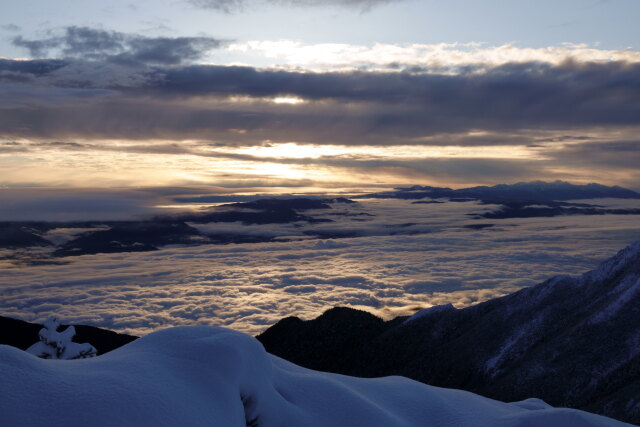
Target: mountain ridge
[529, 191]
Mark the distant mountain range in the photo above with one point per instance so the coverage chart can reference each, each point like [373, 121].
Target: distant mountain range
[529, 191]
[151, 234]
[570, 341]
[521, 200]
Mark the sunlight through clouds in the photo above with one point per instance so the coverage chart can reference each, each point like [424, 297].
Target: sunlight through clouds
[448, 57]
[288, 100]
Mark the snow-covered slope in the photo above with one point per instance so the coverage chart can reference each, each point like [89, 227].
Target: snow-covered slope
[206, 376]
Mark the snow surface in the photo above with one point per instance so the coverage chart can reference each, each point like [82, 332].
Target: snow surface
[197, 376]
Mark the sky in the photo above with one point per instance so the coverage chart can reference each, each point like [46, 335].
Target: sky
[299, 96]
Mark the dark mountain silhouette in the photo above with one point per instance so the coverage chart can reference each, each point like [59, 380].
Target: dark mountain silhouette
[15, 235]
[539, 190]
[571, 341]
[129, 237]
[266, 211]
[530, 191]
[523, 199]
[151, 234]
[275, 204]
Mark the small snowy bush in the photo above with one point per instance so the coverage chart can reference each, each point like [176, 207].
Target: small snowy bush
[58, 345]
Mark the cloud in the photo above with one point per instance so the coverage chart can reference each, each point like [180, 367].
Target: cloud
[10, 27]
[443, 169]
[155, 94]
[619, 158]
[77, 204]
[155, 86]
[229, 6]
[251, 286]
[614, 154]
[518, 94]
[357, 106]
[417, 57]
[27, 71]
[365, 166]
[128, 49]
[12, 147]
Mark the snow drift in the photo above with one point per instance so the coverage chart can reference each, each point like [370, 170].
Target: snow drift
[193, 376]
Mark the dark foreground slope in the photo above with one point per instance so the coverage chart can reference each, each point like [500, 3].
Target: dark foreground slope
[569, 341]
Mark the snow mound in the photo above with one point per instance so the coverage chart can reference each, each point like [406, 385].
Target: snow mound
[196, 376]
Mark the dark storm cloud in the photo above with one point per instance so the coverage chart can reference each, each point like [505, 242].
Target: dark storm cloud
[18, 93]
[399, 105]
[514, 93]
[97, 44]
[29, 69]
[229, 105]
[452, 170]
[614, 154]
[229, 6]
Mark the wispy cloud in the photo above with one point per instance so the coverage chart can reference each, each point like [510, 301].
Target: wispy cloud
[112, 46]
[232, 6]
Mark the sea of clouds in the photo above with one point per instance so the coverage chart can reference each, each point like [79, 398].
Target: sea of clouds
[406, 257]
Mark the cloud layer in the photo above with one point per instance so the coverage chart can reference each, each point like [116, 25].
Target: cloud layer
[433, 259]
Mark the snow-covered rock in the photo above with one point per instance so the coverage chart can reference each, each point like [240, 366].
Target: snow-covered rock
[207, 376]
